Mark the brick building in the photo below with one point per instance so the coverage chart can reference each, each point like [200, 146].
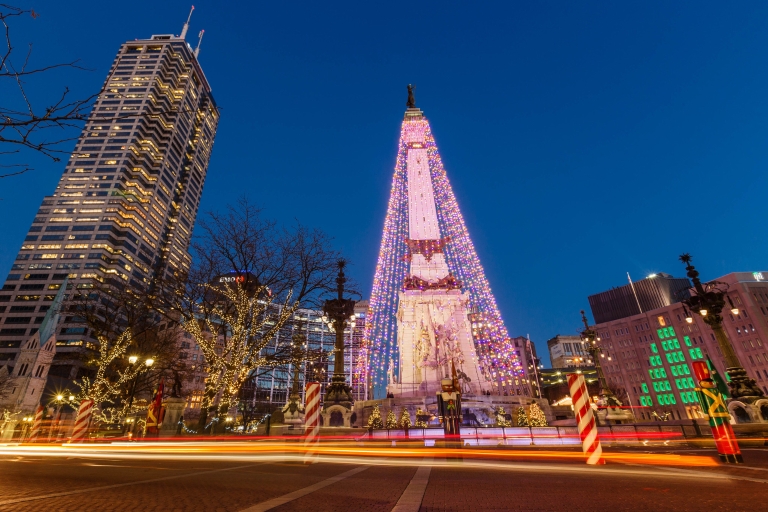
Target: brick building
[648, 355]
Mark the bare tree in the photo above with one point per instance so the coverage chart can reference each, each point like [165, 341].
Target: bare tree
[42, 126]
[295, 260]
[25, 123]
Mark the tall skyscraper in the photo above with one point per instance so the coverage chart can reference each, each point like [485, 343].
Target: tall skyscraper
[126, 203]
[431, 306]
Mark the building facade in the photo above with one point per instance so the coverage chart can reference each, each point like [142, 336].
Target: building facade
[567, 352]
[648, 356]
[653, 292]
[127, 201]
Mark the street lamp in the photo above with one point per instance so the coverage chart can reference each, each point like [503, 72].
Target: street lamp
[57, 415]
[148, 362]
[589, 339]
[339, 313]
[709, 302]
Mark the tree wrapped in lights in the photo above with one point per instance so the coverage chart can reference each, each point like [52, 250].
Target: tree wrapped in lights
[108, 381]
[391, 420]
[501, 418]
[522, 418]
[405, 419]
[374, 420]
[249, 280]
[495, 351]
[136, 345]
[536, 416]
[420, 415]
[231, 336]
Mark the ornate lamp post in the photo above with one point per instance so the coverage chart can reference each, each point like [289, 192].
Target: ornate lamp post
[148, 362]
[708, 303]
[613, 410]
[338, 314]
[589, 339]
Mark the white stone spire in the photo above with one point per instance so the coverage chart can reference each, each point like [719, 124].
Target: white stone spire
[433, 329]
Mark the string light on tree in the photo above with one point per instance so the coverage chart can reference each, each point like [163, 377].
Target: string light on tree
[522, 418]
[391, 420]
[501, 418]
[405, 419]
[536, 416]
[495, 351]
[374, 420]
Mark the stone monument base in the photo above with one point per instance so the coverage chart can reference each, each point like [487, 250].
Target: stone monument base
[477, 410]
[174, 410]
[337, 415]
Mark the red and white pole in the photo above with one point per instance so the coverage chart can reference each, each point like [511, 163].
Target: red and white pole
[37, 424]
[82, 421]
[585, 419]
[311, 421]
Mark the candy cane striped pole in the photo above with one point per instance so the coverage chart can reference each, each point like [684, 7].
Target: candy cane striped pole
[585, 419]
[312, 421]
[37, 424]
[82, 421]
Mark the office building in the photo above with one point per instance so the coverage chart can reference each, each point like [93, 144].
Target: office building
[567, 352]
[126, 203]
[653, 292]
[648, 356]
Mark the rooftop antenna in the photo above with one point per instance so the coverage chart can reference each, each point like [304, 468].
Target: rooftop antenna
[199, 41]
[186, 25]
[632, 285]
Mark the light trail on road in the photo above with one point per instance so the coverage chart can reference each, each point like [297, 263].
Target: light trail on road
[340, 452]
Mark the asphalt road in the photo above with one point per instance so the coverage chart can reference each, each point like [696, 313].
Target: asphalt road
[40, 483]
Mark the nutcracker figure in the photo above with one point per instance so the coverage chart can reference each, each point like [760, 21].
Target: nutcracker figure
[719, 418]
[449, 407]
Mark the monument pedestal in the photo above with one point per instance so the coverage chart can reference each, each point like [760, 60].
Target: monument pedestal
[477, 410]
[174, 410]
[337, 405]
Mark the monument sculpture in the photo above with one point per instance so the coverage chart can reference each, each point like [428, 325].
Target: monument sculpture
[432, 309]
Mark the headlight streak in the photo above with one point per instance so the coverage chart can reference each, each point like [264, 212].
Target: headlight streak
[348, 453]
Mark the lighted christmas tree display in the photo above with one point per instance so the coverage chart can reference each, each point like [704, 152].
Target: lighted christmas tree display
[495, 354]
[374, 420]
[536, 416]
[501, 418]
[405, 419]
[522, 418]
[391, 420]
[420, 414]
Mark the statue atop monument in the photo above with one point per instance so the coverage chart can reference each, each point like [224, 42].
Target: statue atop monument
[411, 98]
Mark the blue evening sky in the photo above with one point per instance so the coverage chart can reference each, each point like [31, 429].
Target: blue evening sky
[583, 139]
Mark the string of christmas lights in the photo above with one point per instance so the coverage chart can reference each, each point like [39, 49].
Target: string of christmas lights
[496, 354]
